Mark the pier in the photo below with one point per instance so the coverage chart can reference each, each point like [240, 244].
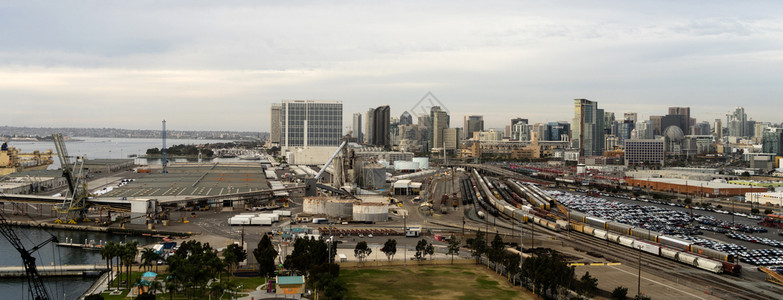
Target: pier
[53, 271]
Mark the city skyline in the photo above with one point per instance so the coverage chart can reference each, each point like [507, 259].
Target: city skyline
[219, 66]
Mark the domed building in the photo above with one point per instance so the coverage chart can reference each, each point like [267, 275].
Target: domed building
[674, 138]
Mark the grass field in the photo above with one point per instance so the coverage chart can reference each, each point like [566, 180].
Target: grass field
[430, 282]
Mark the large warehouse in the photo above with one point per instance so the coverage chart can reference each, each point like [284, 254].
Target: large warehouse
[692, 187]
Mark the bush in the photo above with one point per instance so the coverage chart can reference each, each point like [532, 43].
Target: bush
[754, 211]
[719, 206]
[94, 297]
[767, 211]
[619, 293]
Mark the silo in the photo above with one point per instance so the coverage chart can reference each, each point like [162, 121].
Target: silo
[340, 208]
[424, 162]
[314, 205]
[370, 212]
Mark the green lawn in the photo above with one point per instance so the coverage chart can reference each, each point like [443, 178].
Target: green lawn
[431, 282]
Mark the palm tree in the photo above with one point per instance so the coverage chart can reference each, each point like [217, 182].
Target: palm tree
[155, 287]
[148, 257]
[128, 255]
[107, 253]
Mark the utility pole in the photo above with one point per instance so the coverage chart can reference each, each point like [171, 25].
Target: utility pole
[639, 281]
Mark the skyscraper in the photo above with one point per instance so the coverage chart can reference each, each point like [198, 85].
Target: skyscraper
[440, 121]
[685, 119]
[587, 133]
[406, 118]
[311, 123]
[274, 129]
[736, 122]
[555, 131]
[380, 127]
[356, 130]
[368, 125]
[630, 116]
[718, 129]
[472, 124]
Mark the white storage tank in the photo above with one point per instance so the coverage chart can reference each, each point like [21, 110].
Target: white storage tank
[424, 162]
[370, 212]
[340, 208]
[314, 205]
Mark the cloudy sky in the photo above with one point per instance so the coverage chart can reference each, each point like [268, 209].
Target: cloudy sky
[218, 65]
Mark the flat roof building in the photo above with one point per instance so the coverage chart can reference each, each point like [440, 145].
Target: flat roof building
[311, 123]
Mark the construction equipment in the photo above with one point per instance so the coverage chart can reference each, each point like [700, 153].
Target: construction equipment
[35, 284]
[74, 206]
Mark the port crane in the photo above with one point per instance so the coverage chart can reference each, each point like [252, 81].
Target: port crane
[74, 206]
[35, 283]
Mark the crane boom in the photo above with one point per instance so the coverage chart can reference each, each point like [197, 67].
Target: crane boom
[36, 287]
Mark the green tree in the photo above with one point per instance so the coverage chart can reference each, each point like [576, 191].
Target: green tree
[233, 255]
[497, 249]
[149, 257]
[619, 293]
[478, 246]
[389, 248]
[512, 264]
[307, 253]
[361, 251]
[453, 247]
[430, 250]
[767, 211]
[754, 211]
[193, 265]
[587, 285]
[421, 249]
[128, 256]
[266, 254]
[108, 252]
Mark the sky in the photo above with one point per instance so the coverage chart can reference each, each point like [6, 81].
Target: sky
[219, 65]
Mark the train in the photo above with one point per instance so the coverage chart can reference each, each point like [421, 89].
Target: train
[523, 213]
[656, 243]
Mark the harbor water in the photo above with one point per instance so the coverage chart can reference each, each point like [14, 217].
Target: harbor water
[72, 287]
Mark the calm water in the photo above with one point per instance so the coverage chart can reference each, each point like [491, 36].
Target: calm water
[98, 148]
[72, 287]
[59, 288]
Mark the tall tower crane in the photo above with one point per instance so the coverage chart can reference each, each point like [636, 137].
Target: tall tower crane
[74, 206]
[35, 284]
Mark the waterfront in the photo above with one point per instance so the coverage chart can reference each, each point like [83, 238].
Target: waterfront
[99, 148]
[73, 287]
[51, 254]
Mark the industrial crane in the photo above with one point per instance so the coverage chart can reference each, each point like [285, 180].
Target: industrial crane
[74, 206]
[36, 287]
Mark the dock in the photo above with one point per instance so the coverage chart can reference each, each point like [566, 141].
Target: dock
[53, 271]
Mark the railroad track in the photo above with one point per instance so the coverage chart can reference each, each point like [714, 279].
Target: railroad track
[721, 286]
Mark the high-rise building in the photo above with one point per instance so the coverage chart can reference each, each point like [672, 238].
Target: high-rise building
[356, 130]
[685, 118]
[587, 133]
[406, 118]
[624, 131]
[772, 141]
[717, 129]
[380, 127]
[368, 125]
[472, 124]
[274, 134]
[736, 122]
[517, 125]
[655, 126]
[440, 121]
[311, 123]
[521, 131]
[451, 138]
[557, 131]
[609, 123]
[630, 116]
[702, 128]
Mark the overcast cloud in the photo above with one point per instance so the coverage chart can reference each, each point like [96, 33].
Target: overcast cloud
[218, 65]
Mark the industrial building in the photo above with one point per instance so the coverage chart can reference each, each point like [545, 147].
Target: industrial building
[108, 165]
[28, 182]
[695, 188]
[191, 180]
[644, 151]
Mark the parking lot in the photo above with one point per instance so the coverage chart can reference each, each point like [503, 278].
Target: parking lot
[744, 238]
